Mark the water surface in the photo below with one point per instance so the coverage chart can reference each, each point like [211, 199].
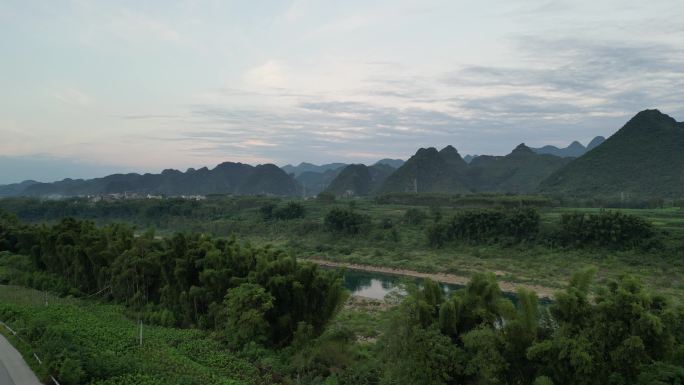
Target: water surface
[377, 285]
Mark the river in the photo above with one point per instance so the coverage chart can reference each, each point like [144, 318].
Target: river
[377, 285]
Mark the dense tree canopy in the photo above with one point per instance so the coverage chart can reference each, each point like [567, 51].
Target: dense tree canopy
[619, 334]
[184, 280]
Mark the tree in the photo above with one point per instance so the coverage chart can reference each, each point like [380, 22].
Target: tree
[246, 308]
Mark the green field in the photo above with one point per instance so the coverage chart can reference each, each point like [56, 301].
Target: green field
[99, 339]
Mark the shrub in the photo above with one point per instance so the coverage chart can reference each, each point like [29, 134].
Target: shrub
[292, 210]
[344, 221]
[266, 211]
[414, 216]
[438, 234]
[326, 197]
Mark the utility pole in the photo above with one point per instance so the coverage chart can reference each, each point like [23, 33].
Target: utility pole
[141, 332]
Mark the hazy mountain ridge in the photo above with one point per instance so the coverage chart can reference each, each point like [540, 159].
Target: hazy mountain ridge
[521, 171]
[573, 150]
[394, 163]
[315, 182]
[643, 158]
[359, 179]
[430, 170]
[310, 167]
[226, 178]
[445, 171]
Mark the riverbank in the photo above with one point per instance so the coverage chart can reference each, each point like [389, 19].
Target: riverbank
[506, 286]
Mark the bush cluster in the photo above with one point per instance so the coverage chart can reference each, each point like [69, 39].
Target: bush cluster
[291, 210]
[485, 226]
[605, 229]
[184, 280]
[345, 221]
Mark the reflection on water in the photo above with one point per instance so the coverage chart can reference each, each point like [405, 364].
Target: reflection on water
[378, 285]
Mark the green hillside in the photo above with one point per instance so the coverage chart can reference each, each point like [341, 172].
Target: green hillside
[645, 158]
[430, 170]
[521, 171]
[359, 179]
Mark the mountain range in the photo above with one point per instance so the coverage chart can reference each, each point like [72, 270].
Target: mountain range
[429, 170]
[644, 158]
[574, 150]
[226, 178]
[359, 179]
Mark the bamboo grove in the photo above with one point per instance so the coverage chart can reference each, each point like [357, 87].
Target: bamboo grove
[187, 280]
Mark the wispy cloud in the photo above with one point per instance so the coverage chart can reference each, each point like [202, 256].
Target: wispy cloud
[326, 81]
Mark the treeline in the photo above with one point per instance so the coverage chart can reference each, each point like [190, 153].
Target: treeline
[617, 202]
[620, 334]
[147, 211]
[607, 229]
[464, 200]
[243, 292]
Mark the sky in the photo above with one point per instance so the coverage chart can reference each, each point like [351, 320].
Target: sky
[92, 87]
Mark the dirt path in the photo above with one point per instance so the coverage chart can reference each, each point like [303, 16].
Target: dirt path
[542, 291]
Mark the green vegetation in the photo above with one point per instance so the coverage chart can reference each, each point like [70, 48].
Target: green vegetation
[346, 221]
[619, 333]
[481, 226]
[185, 280]
[85, 342]
[605, 229]
[624, 335]
[390, 237]
[252, 314]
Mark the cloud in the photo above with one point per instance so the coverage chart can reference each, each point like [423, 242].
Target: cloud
[596, 84]
[268, 74]
[73, 96]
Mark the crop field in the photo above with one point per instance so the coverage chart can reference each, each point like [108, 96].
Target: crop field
[99, 341]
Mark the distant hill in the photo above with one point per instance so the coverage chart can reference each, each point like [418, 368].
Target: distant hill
[644, 158]
[430, 170]
[469, 158]
[309, 167]
[315, 182]
[394, 163]
[15, 188]
[521, 171]
[316, 178]
[597, 141]
[574, 150]
[226, 178]
[359, 179]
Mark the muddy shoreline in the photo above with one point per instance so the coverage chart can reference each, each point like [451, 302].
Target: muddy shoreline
[506, 286]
